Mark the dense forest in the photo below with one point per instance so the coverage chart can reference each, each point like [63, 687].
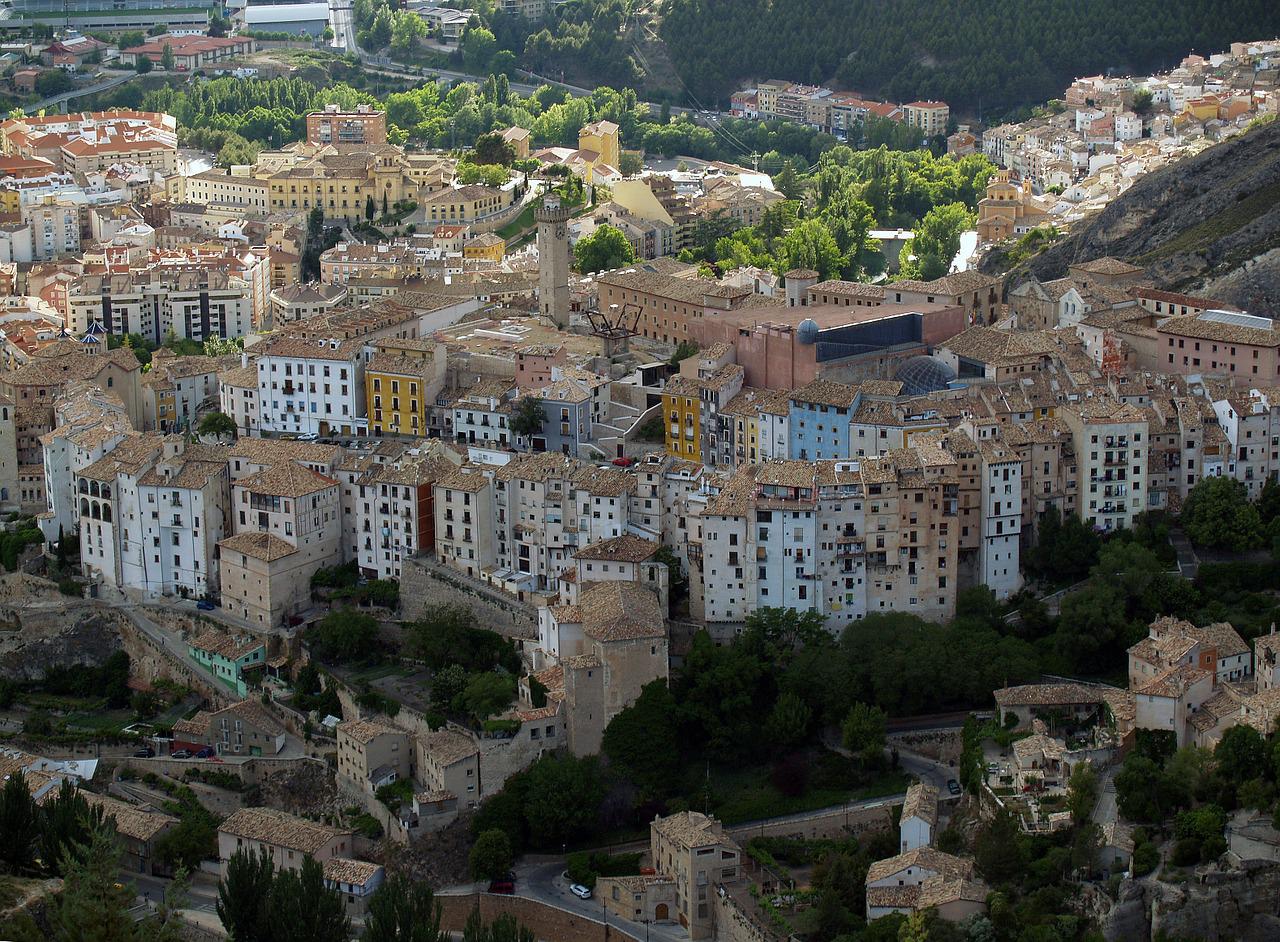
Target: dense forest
[999, 54]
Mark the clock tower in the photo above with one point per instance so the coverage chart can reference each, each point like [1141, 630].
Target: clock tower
[553, 260]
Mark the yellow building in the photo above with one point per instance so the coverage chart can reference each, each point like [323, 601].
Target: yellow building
[681, 406]
[598, 143]
[402, 381]
[518, 138]
[460, 204]
[488, 246]
[1203, 109]
[341, 184]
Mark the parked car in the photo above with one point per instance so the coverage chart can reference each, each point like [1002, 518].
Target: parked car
[993, 769]
[953, 786]
[580, 891]
[180, 754]
[506, 887]
[205, 605]
[205, 753]
[147, 753]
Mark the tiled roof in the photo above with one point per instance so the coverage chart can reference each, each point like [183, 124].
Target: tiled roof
[365, 731]
[1173, 682]
[354, 872]
[448, 746]
[925, 858]
[692, 829]
[619, 611]
[1049, 695]
[264, 546]
[922, 803]
[939, 891]
[626, 548]
[280, 829]
[224, 645]
[893, 897]
[286, 479]
[825, 392]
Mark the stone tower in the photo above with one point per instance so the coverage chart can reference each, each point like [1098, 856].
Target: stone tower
[553, 260]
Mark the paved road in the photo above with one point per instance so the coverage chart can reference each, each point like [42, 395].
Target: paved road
[344, 30]
[544, 881]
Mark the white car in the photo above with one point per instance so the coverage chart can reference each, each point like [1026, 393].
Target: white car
[580, 891]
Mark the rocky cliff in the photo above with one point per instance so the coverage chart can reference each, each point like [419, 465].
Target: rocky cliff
[1208, 225]
[1212, 906]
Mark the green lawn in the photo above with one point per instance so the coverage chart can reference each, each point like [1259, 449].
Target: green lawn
[103, 721]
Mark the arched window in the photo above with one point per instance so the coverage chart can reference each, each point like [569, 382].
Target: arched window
[106, 513]
[94, 511]
[106, 491]
[84, 506]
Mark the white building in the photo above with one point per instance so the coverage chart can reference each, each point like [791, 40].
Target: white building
[313, 387]
[1001, 491]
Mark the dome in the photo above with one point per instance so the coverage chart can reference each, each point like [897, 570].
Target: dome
[808, 332]
[924, 374]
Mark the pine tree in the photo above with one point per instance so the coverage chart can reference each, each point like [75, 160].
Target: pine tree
[243, 895]
[19, 824]
[94, 906]
[369, 207]
[303, 909]
[403, 911]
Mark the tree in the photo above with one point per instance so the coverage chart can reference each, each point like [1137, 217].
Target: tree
[218, 424]
[562, 796]
[19, 824]
[787, 183]
[478, 46]
[605, 249]
[370, 208]
[66, 821]
[345, 636]
[407, 29]
[491, 855]
[486, 694]
[677, 581]
[996, 850]
[936, 242]
[810, 245]
[492, 149]
[788, 722]
[53, 82]
[1144, 792]
[1217, 514]
[527, 418]
[403, 910]
[386, 208]
[631, 163]
[243, 894]
[1240, 753]
[218, 27]
[644, 740]
[166, 58]
[142, 65]
[863, 732]
[1142, 101]
[1082, 792]
[447, 684]
[94, 905]
[302, 909]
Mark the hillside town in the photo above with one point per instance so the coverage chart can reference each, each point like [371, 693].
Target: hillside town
[526, 541]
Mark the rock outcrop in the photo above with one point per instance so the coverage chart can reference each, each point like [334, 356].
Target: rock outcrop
[1212, 906]
[1207, 225]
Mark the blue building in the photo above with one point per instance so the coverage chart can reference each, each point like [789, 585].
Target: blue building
[569, 407]
[818, 420]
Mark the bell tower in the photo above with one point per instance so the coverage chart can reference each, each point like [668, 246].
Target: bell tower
[553, 260]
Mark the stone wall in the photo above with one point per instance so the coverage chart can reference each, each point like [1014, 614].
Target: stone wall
[547, 923]
[734, 924]
[942, 745]
[149, 660]
[425, 585]
[834, 822]
[250, 771]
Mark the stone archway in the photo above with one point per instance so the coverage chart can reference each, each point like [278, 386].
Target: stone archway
[661, 913]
